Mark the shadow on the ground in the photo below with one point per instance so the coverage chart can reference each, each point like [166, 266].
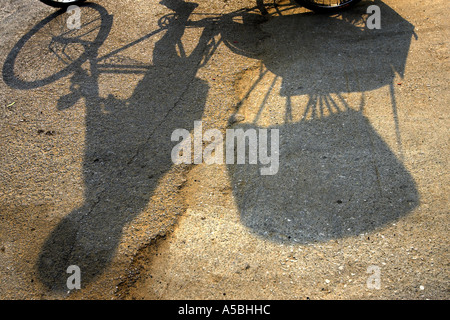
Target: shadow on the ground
[127, 142]
[337, 177]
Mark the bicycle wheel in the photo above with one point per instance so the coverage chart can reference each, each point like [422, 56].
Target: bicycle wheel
[62, 3]
[327, 6]
[54, 48]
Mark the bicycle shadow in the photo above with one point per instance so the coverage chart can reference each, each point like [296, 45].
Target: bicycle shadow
[128, 150]
[337, 177]
[127, 144]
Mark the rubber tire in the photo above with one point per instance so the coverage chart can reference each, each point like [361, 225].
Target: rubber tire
[57, 4]
[325, 9]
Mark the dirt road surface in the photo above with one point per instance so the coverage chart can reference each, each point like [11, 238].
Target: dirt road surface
[357, 207]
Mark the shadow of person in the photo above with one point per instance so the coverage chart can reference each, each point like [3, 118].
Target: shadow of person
[127, 151]
[336, 177]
